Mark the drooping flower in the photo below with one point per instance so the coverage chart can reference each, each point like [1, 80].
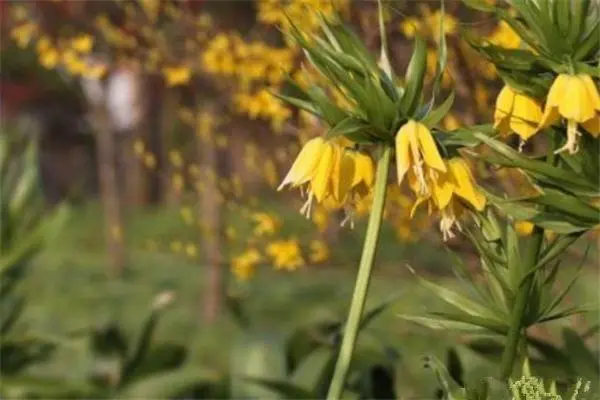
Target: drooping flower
[327, 171]
[516, 112]
[415, 150]
[450, 192]
[576, 99]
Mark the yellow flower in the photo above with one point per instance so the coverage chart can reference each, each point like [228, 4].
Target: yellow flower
[176, 158]
[319, 251]
[176, 76]
[449, 191]
[328, 170]
[266, 224]
[244, 265]
[410, 26]
[505, 36]
[576, 99]
[286, 254]
[49, 58]
[517, 112]
[191, 250]
[23, 34]
[82, 43]
[416, 148]
[524, 228]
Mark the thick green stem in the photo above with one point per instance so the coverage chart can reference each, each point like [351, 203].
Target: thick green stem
[362, 279]
[516, 324]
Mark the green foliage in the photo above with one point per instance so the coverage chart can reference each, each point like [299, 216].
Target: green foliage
[24, 230]
[378, 108]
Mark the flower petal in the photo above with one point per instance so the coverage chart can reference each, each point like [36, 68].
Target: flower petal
[429, 149]
[305, 164]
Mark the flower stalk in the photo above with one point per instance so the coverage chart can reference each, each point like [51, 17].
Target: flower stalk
[518, 312]
[363, 278]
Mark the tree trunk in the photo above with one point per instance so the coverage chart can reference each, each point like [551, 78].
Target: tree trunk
[211, 232]
[109, 191]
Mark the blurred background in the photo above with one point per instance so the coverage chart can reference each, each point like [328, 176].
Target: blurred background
[153, 121]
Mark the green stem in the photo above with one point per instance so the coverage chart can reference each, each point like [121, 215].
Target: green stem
[362, 279]
[516, 324]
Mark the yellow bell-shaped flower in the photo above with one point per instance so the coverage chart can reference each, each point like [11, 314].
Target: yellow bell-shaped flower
[450, 191]
[576, 99]
[517, 112]
[415, 148]
[328, 170]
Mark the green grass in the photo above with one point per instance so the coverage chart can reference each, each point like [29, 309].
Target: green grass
[68, 290]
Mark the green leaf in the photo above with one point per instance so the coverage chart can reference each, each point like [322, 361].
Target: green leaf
[580, 12]
[479, 5]
[451, 390]
[435, 116]
[349, 125]
[284, 389]
[314, 372]
[457, 300]
[513, 258]
[256, 356]
[584, 362]
[589, 45]
[444, 324]
[415, 75]
[172, 384]
[376, 311]
[558, 299]
[557, 176]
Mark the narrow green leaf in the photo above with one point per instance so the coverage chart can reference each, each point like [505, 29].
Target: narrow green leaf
[284, 389]
[172, 384]
[513, 257]
[435, 116]
[558, 299]
[415, 75]
[346, 126]
[314, 371]
[584, 361]
[443, 324]
[457, 300]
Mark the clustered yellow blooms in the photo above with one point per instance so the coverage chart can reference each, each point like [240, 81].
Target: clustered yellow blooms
[574, 98]
[331, 173]
[286, 254]
[517, 112]
[252, 65]
[244, 265]
[266, 224]
[442, 185]
[302, 13]
[429, 24]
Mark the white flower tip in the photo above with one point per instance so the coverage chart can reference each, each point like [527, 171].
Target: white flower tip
[163, 299]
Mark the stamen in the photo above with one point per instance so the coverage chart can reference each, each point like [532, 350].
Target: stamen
[572, 138]
[521, 145]
[306, 209]
[418, 169]
[349, 217]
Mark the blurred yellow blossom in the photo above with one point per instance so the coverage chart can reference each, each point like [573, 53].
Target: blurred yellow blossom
[82, 43]
[410, 26]
[24, 33]
[176, 76]
[244, 265]
[505, 36]
[285, 254]
[266, 224]
[319, 251]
